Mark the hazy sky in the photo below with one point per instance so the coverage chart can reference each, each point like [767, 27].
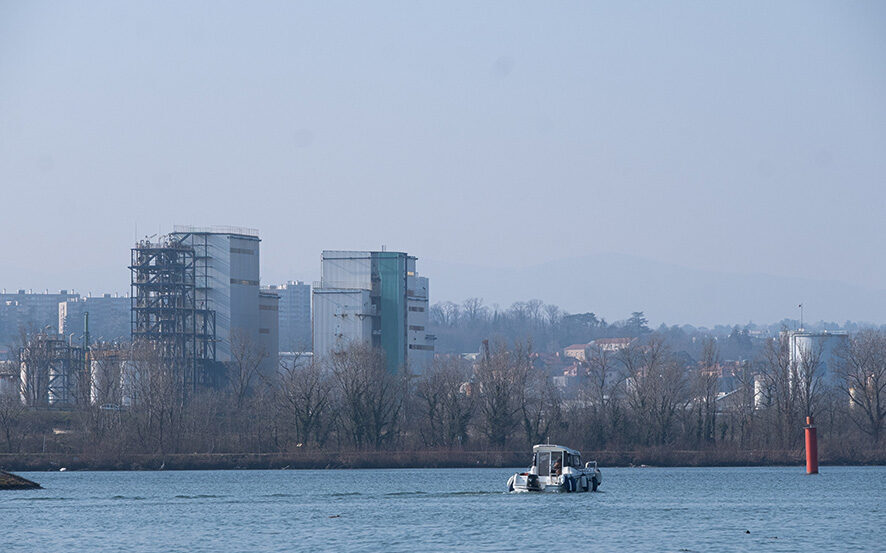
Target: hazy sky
[742, 138]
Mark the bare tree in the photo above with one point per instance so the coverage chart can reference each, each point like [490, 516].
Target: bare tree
[499, 377]
[534, 310]
[371, 397]
[245, 365]
[153, 388]
[742, 402]
[606, 381]
[657, 389]
[705, 387]
[12, 420]
[444, 403]
[807, 377]
[105, 378]
[862, 371]
[779, 394]
[35, 356]
[474, 310]
[306, 396]
[539, 407]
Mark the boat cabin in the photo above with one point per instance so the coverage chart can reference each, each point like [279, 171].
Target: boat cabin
[549, 459]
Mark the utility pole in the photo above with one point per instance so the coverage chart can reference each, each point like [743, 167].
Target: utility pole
[86, 368]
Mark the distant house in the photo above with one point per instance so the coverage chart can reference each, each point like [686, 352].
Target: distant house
[612, 344]
[576, 351]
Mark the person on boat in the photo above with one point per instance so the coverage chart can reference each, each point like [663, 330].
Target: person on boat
[558, 466]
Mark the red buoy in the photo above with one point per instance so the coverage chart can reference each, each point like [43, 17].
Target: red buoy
[811, 448]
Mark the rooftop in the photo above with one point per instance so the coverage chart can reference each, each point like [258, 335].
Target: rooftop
[241, 231]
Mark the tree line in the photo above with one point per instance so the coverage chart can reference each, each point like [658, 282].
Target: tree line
[644, 395]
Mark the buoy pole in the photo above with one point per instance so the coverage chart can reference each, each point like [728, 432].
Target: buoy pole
[811, 448]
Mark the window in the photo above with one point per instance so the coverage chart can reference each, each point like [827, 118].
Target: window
[244, 282]
[420, 347]
[544, 463]
[417, 328]
[264, 331]
[417, 309]
[243, 251]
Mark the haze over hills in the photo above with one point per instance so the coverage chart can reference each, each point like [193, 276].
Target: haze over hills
[613, 285]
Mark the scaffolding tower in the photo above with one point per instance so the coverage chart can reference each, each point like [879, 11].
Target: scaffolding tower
[165, 312]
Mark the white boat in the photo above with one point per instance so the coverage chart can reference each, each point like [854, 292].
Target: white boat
[556, 468]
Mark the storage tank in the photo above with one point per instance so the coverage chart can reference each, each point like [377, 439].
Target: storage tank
[105, 380]
[822, 348]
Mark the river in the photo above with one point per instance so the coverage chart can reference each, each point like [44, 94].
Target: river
[638, 509]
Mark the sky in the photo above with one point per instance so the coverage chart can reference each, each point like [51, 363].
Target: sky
[743, 138]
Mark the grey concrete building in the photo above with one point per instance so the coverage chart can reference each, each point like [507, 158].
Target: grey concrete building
[29, 311]
[109, 318]
[294, 315]
[268, 330]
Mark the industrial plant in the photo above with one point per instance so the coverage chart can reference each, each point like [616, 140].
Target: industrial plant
[196, 299]
[294, 311]
[374, 297]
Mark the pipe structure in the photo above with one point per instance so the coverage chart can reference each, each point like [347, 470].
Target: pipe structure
[811, 447]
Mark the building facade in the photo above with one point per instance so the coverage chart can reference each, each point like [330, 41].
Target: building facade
[294, 315]
[25, 310]
[207, 279]
[268, 331]
[374, 297]
[108, 318]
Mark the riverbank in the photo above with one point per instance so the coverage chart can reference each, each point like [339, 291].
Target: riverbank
[660, 457]
[13, 482]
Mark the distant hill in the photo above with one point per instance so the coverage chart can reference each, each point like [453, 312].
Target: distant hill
[614, 285]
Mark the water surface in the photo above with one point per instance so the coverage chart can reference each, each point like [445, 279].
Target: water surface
[650, 509]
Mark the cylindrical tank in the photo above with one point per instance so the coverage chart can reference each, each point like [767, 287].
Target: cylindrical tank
[820, 349]
[105, 381]
[128, 383]
[34, 382]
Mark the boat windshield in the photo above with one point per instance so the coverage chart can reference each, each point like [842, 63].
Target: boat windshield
[552, 462]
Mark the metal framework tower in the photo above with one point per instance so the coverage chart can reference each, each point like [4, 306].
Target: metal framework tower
[53, 373]
[165, 312]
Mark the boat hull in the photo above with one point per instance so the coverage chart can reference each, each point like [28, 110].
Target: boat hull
[576, 481]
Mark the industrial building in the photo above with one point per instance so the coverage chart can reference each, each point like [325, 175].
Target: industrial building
[294, 315]
[374, 297]
[196, 292]
[165, 313]
[25, 310]
[268, 331]
[108, 318]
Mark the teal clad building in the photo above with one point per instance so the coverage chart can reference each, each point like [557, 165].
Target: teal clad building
[374, 297]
